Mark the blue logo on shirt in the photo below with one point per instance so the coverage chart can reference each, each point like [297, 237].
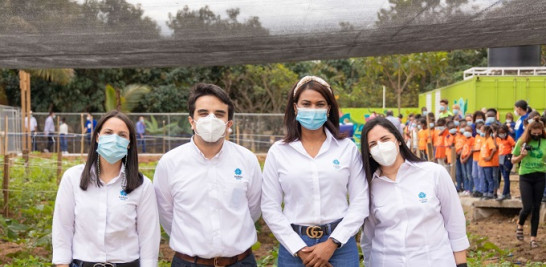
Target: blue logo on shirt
[422, 197]
[336, 164]
[123, 195]
[238, 173]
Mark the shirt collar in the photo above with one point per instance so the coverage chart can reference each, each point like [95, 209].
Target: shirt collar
[298, 146]
[198, 151]
[405, 165]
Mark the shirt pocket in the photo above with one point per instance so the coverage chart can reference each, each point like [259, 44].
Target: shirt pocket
[236, 193]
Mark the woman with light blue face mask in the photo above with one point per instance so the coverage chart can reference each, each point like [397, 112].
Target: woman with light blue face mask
[109, 198]
[311, 172]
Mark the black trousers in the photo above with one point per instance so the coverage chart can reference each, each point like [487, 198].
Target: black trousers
[531, 187]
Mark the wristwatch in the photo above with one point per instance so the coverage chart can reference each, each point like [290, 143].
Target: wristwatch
[336, 242]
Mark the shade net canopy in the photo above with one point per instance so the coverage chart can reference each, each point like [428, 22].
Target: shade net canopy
[161, 33]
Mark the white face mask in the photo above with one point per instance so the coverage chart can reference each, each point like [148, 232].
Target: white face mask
[385, 153]
[210, 128]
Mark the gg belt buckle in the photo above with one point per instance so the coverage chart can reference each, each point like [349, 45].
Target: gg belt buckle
[216, 264]
[314, 232]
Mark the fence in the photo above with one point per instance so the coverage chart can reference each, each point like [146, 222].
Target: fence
[13, 116]
[165, 131]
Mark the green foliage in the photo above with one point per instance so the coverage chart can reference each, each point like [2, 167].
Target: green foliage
[270, 259]
[27, 259]
[154, 128]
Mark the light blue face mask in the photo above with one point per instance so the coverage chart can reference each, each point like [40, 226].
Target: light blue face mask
[112, 147]
[442, 108]
[467, 134]
[312, 118]
[482, 134]
[479, 120]
[489, 120]
[453, 131]
[431, 125]
[457, 123]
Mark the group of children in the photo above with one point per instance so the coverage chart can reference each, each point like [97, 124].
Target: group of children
[478, 144]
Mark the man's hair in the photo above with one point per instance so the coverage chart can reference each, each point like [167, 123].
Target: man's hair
[203, 89]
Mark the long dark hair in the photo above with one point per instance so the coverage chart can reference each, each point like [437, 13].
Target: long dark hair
[293, 127]
[370, 165]
[537, 124]
[133, 176]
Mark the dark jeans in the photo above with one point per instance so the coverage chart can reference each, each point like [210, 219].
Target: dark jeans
[468, 179]
[64, 143]
[459, 174]
[489, 185]
[531, 187]
[346, 256]
[141, 142]
[250, 260]
[50, 141]
[505, 170]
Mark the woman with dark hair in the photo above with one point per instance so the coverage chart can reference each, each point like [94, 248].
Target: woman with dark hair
[311, 172]
[106, 211]
[531, 152]
[522, 109]
[415, 216]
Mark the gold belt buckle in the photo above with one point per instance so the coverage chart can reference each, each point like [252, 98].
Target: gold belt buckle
[216, 264]
[314, 232]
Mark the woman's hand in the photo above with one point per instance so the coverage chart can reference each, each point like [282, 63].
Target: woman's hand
[319, 254]
[523, 152]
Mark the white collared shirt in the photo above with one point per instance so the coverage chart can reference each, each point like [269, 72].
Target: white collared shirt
[314, 190]
[209, 206]
[416, 220]
[104, 224]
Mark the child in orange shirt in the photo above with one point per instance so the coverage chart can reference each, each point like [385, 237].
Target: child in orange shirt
[506, 144]
[424, 138]
[488, 161]
[458, 142]
[440, 142]
[466, 159]
[477, 173]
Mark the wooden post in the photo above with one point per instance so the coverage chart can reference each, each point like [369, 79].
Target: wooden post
[24, 85]
[82, 139]
[164, 134]
[453, 166]
[5, 184]
[430, 148]
[59, 152]
[237, 133]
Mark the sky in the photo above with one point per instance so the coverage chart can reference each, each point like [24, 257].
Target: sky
[284, 16]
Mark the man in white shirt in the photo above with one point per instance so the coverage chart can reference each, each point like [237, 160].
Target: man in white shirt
[208, 190]
[49, 131]
[63, 132]
[32, 128]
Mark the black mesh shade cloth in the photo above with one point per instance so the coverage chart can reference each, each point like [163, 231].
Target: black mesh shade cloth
[161, 33]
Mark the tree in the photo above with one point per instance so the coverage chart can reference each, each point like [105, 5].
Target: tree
[204, 23]
[125, 99]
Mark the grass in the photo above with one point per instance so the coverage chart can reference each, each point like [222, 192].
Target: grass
[31, 211]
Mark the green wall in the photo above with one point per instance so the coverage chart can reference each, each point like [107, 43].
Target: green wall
[500, 92]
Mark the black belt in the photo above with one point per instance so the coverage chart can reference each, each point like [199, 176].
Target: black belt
[316, 231]
[79, 263]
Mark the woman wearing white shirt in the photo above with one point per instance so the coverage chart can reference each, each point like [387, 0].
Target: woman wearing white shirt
[416, 218]
[312, 171]
[106, 210]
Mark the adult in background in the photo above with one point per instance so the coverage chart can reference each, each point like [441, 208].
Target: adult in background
[416, 217]
[394, 121]
[209, 189]
[530, 150]
[49, 131]
[521, 109]
[90, 125]
[141, 131]
[105, 211]
[444, 109]
[314, 195]
[33, 127]
[63, 132]
[511, 124]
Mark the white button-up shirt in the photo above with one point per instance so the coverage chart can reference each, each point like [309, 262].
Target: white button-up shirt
[416, 220]
[104, 224]
[314, 190]
[209, 206]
